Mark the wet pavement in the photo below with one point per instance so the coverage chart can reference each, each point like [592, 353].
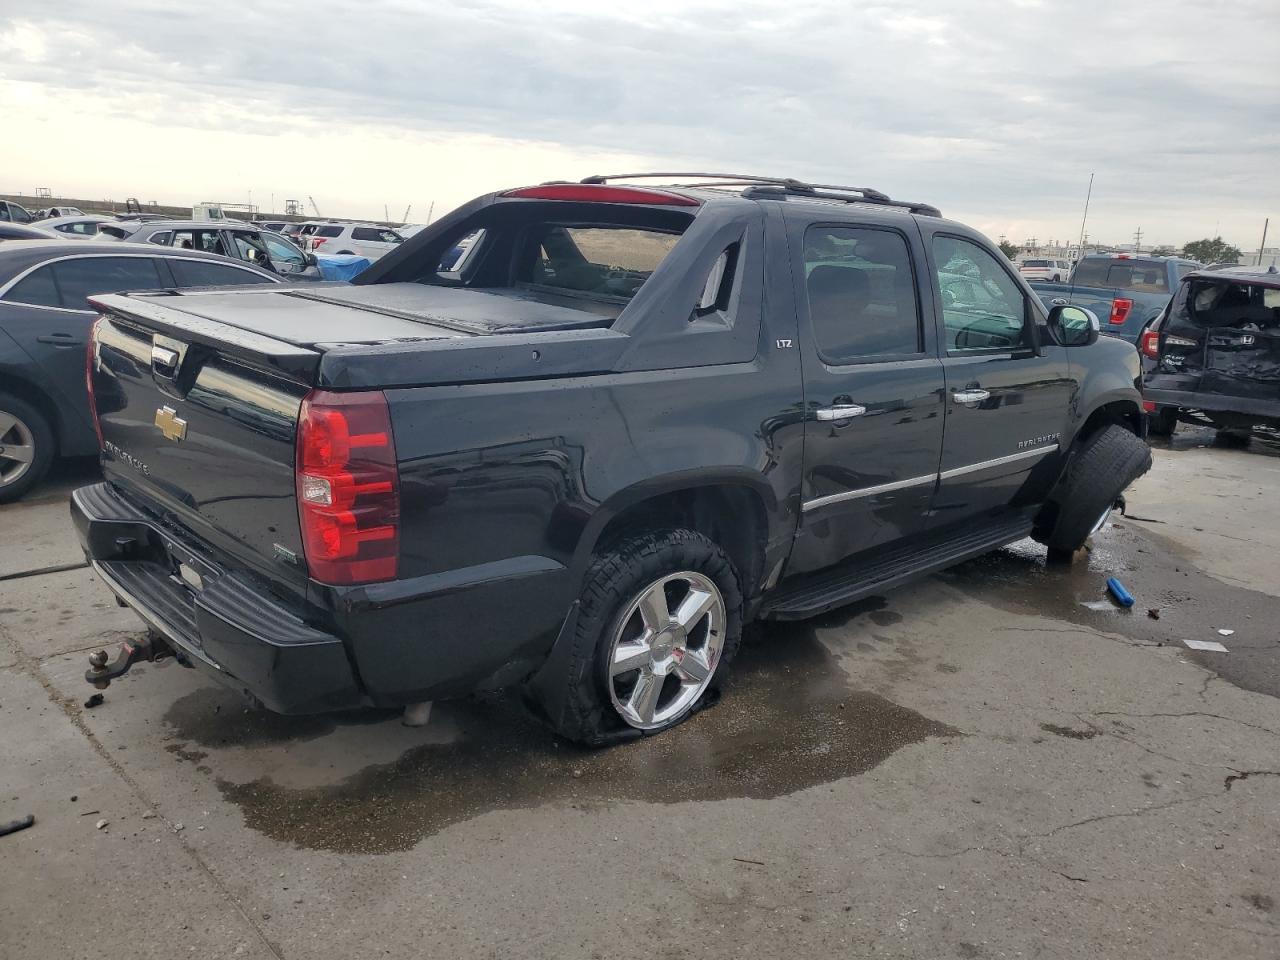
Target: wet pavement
[993, 762]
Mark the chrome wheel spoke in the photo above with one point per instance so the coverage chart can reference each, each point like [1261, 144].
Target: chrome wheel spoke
[692, 666]
[653, 608]
[7, 420]
[629, 656]
[639, 661]
[643, 701]
[694, 607]
[18, 454]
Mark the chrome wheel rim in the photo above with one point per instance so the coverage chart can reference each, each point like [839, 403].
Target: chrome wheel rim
[665, 649]
[1106, 515]
[17, 448]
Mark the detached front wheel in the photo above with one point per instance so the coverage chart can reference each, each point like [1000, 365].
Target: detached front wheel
[660, 620]
[1107, 463]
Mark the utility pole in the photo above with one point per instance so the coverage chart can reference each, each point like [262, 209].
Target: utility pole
[1137, 240]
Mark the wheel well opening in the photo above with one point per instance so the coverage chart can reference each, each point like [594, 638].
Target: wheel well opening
[732, 516]
[38, 399]
[1123, 413]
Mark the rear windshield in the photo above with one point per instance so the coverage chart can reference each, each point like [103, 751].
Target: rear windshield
[1035, 263]
[1138, 276]
[605, 261]
[1212, 303]
[329, 232]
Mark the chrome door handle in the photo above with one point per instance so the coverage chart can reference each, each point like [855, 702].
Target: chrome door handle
[970, 396]
[840, 411]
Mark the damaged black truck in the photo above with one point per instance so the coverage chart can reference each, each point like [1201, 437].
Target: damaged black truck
[1213, 357]
[570, 438]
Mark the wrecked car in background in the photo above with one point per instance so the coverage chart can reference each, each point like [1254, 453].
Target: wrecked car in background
[1213, 356]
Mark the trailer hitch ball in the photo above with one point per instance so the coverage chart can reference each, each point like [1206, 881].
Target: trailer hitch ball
[101, 673]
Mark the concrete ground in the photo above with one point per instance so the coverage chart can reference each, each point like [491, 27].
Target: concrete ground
[989, 763]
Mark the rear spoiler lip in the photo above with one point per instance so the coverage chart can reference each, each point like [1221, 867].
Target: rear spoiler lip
[290, 360]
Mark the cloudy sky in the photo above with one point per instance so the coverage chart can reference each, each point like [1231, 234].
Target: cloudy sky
[995, 111]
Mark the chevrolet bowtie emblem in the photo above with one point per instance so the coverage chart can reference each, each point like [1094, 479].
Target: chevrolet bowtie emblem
[171, 425]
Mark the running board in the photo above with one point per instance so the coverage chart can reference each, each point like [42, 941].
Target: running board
[836, 586]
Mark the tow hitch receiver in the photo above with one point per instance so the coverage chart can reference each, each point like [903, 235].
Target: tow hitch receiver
[101, 673]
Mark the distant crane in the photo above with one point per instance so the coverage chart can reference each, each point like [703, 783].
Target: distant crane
[313, 206]
[405, 218]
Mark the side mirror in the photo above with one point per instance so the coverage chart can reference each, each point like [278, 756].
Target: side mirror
[309, 259]
[1073, 326]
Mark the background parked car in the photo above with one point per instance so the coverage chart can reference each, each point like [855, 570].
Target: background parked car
[80, 227]
[361, 239]
[1126, 291]
[50, 212]
[1037, 268]
[22, 231]
[226, 238]
[44, 326]
[11, 212]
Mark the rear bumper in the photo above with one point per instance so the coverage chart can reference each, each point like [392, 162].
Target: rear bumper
[217, 620]
[1225, 403]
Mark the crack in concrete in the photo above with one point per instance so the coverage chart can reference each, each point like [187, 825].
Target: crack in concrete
[1246, 774]
[31, 667]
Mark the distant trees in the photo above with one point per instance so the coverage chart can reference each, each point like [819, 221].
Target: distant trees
[1212, 251]
[1010, 250]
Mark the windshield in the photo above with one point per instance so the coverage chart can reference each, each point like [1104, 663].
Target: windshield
[1138, 276]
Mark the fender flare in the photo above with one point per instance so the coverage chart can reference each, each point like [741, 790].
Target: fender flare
[622, 500]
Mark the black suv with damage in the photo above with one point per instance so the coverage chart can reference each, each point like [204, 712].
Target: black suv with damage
[1213, 356]
[572, 437]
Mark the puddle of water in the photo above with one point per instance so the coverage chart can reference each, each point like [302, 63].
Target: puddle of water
[788, 721]
[1190, 602]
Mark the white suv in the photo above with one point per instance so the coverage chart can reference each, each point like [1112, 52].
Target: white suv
[1055, 271]
[361, 239]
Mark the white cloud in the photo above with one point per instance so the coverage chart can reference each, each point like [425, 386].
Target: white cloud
[995, 111]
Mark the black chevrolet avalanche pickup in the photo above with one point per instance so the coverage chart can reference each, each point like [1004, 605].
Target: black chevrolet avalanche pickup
[570, 438]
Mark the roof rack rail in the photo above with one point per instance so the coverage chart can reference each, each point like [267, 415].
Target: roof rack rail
[780, 186]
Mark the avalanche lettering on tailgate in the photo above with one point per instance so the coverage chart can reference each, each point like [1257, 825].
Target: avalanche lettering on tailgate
[125, 457]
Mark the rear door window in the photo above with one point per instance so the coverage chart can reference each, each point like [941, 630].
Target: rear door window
[375, 235]
[205, 273]
[37, 288]
[163, 238]
[329, 232]
[862, 293]
[85, 276]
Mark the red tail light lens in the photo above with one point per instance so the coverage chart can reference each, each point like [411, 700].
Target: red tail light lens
[316, 241]
[1120, 308]
[602, 193]
[348, 487]
[90, 359]
[1149, 345]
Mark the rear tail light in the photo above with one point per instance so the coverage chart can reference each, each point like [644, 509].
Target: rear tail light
[90, 362]
[316, 241]
[1120, 308]
[1149, 406]
[1149, 345]
[602, 193]
[348, 487]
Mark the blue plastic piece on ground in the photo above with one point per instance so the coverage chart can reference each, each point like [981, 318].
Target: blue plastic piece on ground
[1117, 590]
[342, 266]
